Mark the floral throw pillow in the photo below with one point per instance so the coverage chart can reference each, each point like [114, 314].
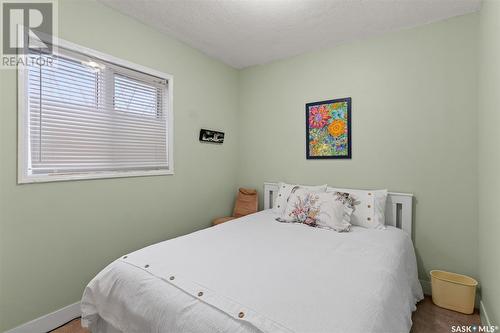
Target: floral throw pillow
[285, 191]
[323, 210]
[304, 208]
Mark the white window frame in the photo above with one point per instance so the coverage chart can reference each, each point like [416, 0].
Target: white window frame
[24, 153]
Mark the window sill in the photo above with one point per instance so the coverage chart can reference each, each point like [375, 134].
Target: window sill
[25, 179]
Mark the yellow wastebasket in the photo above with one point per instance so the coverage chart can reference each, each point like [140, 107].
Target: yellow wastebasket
[453, 291]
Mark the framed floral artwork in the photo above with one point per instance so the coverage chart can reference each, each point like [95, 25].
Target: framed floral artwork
[328, 129]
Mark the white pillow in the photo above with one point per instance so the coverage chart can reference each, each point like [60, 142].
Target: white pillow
[369, 210]
[318, 209]
[284, 194]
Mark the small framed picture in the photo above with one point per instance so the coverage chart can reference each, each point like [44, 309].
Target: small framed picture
[328, 129]
[211, 136]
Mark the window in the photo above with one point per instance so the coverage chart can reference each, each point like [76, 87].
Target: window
[88, 115]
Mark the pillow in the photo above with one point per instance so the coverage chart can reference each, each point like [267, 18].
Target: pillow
[284, 194]
[370, 210]
[319, 209]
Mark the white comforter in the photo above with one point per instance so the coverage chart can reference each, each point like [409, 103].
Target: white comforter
[259, 275]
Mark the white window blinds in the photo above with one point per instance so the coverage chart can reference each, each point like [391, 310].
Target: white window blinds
[90, 116]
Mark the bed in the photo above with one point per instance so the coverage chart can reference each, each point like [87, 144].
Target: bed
[255, 274]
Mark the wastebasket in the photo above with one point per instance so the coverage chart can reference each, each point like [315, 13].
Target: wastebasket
[453, 291]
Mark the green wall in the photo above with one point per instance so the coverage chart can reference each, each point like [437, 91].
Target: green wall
[489, 158]
[56, 236]
[414, 128]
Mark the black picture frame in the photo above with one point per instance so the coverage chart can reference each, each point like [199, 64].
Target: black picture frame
[211, 136]
[348, 100]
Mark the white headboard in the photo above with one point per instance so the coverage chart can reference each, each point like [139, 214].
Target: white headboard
[398, 210]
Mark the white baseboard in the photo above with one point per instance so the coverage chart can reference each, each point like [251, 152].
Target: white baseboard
[485, 320]
[49, 321]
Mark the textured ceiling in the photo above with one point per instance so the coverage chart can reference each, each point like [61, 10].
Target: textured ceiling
[242, 33]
